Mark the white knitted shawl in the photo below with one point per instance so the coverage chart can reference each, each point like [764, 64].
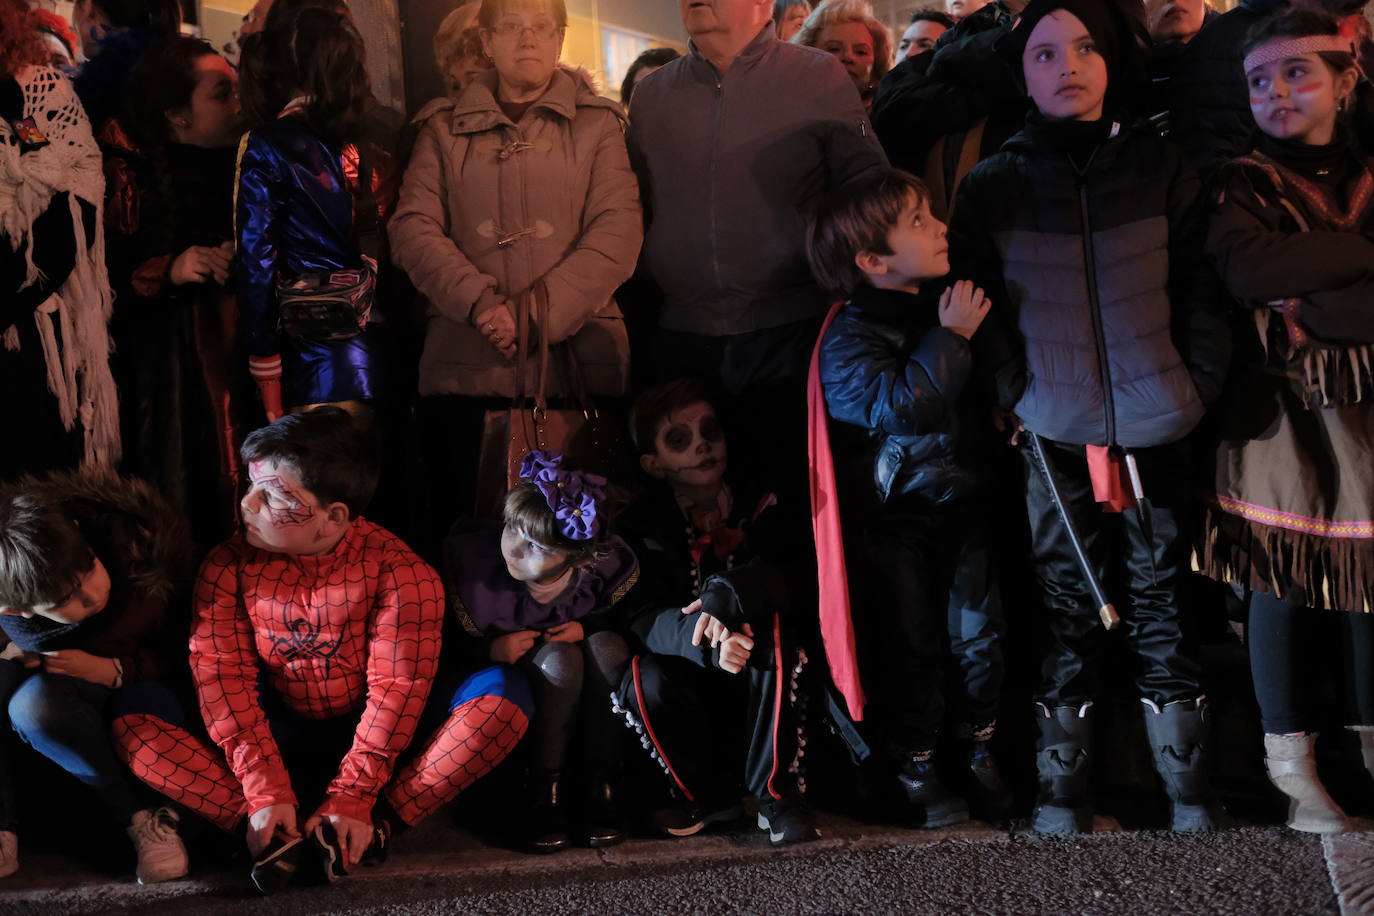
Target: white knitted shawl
[78, 369]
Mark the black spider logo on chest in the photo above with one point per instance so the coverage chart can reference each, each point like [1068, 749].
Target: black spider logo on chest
[303, 641]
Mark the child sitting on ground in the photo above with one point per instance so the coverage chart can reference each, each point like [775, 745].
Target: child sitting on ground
[89, 570]
[316, 636]
[536, 589]
[1106, 342]
[715, 651]
[896, 362]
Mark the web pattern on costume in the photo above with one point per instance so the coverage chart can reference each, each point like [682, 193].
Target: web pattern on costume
[181, 767]
[476, 737]
[358, 629]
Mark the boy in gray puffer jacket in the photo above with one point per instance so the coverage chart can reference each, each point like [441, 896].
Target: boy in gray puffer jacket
[1106, 341]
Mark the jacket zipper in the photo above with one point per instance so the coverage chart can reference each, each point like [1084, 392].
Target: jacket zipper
[1094, 306]
[713, 181]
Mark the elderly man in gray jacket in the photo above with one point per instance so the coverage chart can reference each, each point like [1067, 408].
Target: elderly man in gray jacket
[732, 144]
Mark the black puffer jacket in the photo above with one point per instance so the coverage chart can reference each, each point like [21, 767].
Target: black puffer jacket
[888, 367]
[1107, 322]
[945, 91]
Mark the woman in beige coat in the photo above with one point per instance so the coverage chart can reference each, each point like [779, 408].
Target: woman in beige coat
[519, 193]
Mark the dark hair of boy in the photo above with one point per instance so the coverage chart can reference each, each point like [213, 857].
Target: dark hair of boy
[857, 218]
[334, 456]
[936, 16]
[656, 405]
[43, 555]
[1299, 22]
[527, 511]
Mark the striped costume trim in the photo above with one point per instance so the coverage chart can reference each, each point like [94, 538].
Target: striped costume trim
[625, 587]
[1293, 522]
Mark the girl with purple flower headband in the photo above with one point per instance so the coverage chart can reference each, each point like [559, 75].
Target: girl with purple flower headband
[538, 591]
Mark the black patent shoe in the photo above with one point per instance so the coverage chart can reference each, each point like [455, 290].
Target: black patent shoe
[604, 825]
[546, 825]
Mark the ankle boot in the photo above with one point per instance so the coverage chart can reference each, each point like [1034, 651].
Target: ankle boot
[1291, 763]
[989, 799]
[1063, 762]
[546, 829]
[604, 823]
[932, 805]
[1178, 743]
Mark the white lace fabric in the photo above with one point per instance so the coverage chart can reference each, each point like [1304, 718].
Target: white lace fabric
[78, 370]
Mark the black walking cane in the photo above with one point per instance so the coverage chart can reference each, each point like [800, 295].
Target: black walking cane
[1105, 610]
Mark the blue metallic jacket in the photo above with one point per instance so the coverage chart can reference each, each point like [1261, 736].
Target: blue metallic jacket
[294, 212]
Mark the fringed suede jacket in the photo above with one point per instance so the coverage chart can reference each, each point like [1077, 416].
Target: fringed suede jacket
[1293, 507]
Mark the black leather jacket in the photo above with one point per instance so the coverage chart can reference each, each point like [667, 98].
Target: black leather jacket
[888, 366]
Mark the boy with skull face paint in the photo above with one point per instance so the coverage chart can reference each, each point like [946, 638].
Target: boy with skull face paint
[708, 624]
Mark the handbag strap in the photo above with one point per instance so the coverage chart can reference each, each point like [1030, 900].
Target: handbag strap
[366, 228]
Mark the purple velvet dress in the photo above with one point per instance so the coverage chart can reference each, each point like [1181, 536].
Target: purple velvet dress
[488, 602]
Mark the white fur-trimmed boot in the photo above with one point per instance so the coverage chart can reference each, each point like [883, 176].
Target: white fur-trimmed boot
[1291, 762]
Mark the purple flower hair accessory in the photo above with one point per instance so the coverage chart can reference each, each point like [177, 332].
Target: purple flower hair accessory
[574, 497]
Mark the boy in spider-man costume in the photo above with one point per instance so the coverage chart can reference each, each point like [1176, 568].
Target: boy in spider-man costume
[315, 639]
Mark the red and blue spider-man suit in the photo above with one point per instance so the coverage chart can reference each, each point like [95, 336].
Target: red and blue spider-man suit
[351, 636]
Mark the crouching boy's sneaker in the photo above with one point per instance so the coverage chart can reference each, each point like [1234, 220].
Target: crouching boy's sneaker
[161, 854]
[787, 820]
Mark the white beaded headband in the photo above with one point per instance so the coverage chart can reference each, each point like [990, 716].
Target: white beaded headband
[1284, 48]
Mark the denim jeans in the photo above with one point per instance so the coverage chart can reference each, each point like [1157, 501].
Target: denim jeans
[64, 719]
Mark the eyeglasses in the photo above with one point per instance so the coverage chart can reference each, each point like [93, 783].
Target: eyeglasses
[511, 29]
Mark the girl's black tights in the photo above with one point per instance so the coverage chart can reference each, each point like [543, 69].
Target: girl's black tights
[563, 675]
[1292, 648]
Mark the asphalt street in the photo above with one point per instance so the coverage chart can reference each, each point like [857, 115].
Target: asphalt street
[855, 868]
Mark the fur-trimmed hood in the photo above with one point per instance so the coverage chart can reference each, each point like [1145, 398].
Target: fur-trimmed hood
[129, 526]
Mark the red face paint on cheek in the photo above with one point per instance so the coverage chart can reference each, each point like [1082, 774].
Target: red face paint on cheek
[1309, 88]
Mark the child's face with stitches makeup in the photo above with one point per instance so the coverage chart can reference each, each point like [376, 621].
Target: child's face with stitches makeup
[689, 448]
[1298, 98]
[279, 513]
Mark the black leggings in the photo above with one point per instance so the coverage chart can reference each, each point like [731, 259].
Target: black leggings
[568, 678]
[1292, 647]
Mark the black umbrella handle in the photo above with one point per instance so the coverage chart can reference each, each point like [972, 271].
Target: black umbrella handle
[1105, 610]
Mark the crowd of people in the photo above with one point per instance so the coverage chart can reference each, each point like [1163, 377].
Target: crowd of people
[642, 443]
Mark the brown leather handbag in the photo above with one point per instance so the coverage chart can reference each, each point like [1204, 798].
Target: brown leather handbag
[592, 439]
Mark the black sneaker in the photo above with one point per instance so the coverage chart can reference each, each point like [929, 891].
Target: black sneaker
[331, 850]
[686, 818]
[277, 865]
[932, 805]
[379, 847]
[788, 820]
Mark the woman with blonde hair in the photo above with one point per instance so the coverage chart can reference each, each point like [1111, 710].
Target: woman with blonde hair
[458, 49]
[849, 30]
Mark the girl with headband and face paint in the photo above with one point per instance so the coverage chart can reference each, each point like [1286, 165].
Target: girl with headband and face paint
[537, 592]
[1291, 517]
[1106, 341]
